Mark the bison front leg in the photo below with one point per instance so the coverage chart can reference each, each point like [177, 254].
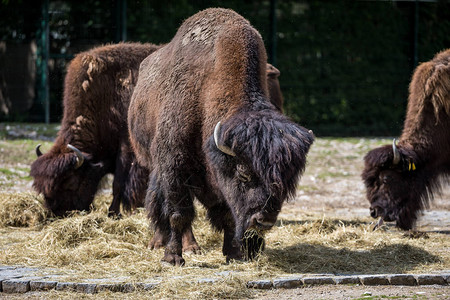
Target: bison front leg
[174, 248]
[181, 215]
[221, 218]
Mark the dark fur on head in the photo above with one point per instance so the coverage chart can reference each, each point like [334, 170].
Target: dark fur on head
[270, 157]
[398, 192]
[273, 146]
[56, 177]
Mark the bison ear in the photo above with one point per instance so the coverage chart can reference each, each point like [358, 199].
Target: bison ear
[272, 71]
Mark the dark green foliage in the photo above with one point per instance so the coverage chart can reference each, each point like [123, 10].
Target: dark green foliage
[345, 65]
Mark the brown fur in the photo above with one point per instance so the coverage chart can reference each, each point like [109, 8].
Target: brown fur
[214, 69]
[97, 91]
[396, 192]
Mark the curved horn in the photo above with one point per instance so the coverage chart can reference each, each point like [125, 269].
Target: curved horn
[396, 159]
[221, 147]
[80, 157]
[38, 151]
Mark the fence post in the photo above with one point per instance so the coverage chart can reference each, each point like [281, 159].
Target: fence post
[42, 60]
[273, 33]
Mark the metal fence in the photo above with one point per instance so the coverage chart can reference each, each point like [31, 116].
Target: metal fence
[345, 65]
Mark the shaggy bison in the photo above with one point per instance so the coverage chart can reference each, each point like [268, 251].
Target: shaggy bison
[200, 120]
[93, 139]
[401, 179]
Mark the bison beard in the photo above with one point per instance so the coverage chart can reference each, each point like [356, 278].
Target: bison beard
[401, 179]
[212, 78]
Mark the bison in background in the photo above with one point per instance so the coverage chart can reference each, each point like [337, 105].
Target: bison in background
[93, 139]
[275, 95]
[201, 121]
[401, 179]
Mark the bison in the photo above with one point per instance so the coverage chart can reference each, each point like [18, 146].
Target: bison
[401, 179]
[98, 89]
[93, 139]
[201, 121]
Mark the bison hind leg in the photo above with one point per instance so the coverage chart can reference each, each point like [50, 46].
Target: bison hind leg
[189, 242]
[159, 239]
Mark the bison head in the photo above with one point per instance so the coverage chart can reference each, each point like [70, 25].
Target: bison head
[396, 185]
[67, 178]
[257, 158]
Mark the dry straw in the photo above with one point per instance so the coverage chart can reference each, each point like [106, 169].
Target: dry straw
[21, 209]
[91, 245]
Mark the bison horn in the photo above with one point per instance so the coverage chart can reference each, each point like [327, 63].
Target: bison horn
[396, 159]
[80, 157]
[221, 147]
[38, 151]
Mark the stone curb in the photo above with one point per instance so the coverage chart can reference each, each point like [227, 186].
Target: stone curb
[383, 279]
[13, 282]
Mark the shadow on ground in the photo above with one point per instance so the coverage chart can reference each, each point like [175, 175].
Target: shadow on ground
[307, 258]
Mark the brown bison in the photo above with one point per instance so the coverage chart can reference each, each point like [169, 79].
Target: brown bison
[93, 139]
[201, 122]
[401, 179]
[97, 94]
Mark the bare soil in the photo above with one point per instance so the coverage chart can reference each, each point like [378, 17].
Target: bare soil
[359, 292]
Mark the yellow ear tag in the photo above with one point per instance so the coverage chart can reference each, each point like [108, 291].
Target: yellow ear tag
[409, 166]
[413, 166]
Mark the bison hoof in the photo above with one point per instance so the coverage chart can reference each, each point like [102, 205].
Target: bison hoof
[173, 259]
[234, 257]
[114, 215]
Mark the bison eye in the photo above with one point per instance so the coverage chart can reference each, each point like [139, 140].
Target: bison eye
[386, 179]
[243, 173]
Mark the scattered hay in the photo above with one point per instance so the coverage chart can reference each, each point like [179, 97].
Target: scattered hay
[91, 245]
[21, 210]
[253, 243]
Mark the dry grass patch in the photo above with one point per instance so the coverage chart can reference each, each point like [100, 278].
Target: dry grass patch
[21, 210]
[91, 245]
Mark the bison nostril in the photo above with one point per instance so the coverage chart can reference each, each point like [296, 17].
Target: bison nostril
[260, 221]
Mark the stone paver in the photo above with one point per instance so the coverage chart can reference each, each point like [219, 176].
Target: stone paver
[23, 279]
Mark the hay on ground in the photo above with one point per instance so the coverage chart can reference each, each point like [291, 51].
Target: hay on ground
[21, 210]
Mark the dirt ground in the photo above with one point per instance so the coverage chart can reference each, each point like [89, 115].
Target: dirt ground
[332, 187]
[360, 292]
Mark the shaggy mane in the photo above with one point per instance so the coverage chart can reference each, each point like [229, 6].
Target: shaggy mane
[431, 82]
[275, 146]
